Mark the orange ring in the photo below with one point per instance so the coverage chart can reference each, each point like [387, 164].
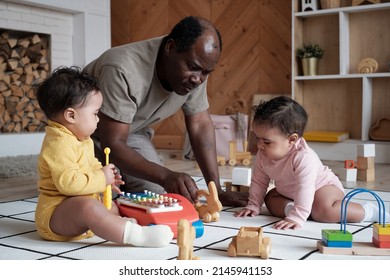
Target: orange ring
[349, 163]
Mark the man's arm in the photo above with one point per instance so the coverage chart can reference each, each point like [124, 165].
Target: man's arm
[114, 134]
[202, 138]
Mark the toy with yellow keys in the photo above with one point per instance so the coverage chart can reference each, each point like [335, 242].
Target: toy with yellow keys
[155, 209]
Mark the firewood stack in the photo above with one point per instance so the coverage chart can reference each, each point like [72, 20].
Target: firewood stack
[23, 63]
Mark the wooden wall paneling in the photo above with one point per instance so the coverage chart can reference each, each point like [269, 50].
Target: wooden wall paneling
[179, 9]
[275, 46]
[120, 17]
[148, 19]
[237, 72]
[135, 20]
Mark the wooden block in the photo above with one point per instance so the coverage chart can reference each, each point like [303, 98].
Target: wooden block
[348, 174]
[381, 237]
[337, 244]
[230, 188]
[380, 229]
[358, 249]
[235, 188]
[366, 150]
[244, 188]
[365, 162]
[380, 244]
[366, 175]
[241, 176]
[336, 235]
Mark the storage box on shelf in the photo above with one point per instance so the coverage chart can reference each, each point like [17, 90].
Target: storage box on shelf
[340, 98]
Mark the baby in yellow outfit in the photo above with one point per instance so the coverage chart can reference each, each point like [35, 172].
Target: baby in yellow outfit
[71, 178]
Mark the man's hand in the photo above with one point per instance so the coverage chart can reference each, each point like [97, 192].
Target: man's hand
[182, 184]
[238, 199]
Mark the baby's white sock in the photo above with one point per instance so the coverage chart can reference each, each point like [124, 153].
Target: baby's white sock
[132, 220]
[147, 236]
[371, 213]
[288, 208]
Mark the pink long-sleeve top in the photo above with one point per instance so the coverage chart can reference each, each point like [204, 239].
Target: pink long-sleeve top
[296, 176]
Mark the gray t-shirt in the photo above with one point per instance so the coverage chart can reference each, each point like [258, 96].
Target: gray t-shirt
[131, 90]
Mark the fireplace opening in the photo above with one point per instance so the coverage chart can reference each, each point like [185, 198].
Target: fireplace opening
[24, 62]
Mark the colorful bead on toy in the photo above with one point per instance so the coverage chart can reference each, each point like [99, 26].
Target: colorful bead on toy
[151, 202]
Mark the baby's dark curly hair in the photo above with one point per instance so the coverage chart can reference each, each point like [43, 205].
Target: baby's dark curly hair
[66, 87]
[282, 113]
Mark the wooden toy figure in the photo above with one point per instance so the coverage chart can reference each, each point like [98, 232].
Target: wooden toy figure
[185, 239]
[107, 195]
[209, 212]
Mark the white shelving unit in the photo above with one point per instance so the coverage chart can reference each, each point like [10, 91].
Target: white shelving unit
[340, 98]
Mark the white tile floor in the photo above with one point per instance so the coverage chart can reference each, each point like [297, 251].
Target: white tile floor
[20, 241]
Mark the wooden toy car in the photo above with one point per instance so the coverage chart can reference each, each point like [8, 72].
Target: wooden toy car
[250, 242]
[235, 157]
[154, 209]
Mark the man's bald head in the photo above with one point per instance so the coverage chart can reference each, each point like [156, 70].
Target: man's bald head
[188, 30]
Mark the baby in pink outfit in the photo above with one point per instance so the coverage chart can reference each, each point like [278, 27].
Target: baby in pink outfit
[303, 185]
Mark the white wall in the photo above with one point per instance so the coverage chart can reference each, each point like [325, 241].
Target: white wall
[80, 31]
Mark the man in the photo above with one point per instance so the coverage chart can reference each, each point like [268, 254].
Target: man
[145, 82]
